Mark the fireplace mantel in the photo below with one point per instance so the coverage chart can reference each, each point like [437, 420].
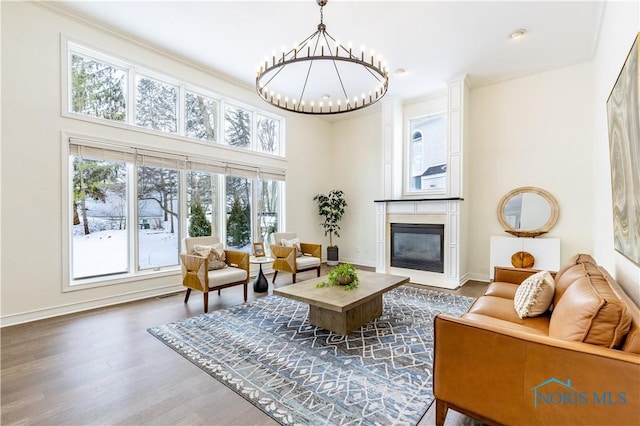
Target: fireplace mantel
[423, 211]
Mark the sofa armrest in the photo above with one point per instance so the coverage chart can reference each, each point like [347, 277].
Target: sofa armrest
[514, 275]
[499, 374]
[311, 249]
[238, 259]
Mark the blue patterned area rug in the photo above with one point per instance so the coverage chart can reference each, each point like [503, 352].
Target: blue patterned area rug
[267, 352]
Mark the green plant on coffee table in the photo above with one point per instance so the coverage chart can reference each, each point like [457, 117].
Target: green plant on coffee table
[344, 274]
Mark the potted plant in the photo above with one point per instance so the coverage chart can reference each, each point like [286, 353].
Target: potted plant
[331, 207]
[344, 274]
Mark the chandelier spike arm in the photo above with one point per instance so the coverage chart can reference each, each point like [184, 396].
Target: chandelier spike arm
[302, 44]
[331, 88]
[335, 65]
[304, 87]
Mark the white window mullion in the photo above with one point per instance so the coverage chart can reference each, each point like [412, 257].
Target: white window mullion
[182, 120]
[222, 208]
[132, 194]
[183, 209]
[255, 218]
[223, 124]
[254, 132]
[131, 96]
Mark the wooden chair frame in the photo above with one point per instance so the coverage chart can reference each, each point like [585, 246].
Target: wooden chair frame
[285, 258]
[195, 274]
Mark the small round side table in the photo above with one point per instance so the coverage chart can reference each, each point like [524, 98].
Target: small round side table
[260, 284]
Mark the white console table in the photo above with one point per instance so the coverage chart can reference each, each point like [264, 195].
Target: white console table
[546, 252]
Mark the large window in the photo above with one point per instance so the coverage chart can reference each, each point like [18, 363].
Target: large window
[426, 165]
[269, 213]
[130, 204]
[99, 218]
[130, 209]
[105, 88]
[238, 213]
[203, 204]
[158, 206]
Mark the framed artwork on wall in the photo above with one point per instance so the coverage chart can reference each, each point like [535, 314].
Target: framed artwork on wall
[623, 118]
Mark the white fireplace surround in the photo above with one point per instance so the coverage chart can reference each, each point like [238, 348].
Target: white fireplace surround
[444, 212]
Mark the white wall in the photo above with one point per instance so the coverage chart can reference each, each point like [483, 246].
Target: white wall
[620, 27]
[31, 159]
[355, 169]
[532, 131]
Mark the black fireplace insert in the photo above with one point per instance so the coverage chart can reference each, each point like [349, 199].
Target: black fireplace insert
[417, 246]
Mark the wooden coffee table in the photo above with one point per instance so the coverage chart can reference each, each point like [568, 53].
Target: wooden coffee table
[341, 311]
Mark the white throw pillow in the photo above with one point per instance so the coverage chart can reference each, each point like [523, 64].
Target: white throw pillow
[534, 295]
[294, 242]
[215, 253]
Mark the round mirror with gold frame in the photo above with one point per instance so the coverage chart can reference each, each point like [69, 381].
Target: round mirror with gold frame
[528, 211]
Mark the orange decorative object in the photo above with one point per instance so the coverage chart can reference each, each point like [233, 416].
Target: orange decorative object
[522, 259]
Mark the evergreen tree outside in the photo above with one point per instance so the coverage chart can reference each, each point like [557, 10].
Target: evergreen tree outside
[157, 105]
[199, 226]
[97, 89]
[238, 222]
[237, 127]
[91, 180]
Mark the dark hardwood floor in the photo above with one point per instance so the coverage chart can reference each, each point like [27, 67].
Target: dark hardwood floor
[102, 367]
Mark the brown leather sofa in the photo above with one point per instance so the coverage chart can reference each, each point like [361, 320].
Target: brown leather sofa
[577, 364]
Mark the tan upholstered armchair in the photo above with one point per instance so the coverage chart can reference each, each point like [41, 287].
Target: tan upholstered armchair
[286, 258]
[196, 274]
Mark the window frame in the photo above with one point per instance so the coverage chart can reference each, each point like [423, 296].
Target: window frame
[135, 273]
[70, 46]
[406, 159]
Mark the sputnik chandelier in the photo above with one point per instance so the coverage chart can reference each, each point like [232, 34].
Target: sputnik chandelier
[321, 76]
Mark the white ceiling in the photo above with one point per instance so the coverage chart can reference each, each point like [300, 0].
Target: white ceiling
[435, 41]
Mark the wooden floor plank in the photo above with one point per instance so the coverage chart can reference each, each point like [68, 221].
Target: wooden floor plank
[103, 367]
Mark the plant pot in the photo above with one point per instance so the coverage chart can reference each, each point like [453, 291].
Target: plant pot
[342, 280]
[332, 255]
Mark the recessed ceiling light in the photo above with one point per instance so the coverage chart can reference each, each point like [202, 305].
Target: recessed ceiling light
[401, 71]
[326, 97]
[517, 33]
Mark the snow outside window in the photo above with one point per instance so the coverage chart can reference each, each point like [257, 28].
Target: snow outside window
[158, 216]
[129, 208]
[99, 222]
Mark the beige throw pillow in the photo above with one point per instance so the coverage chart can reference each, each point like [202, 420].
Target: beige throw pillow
[294, 242]
[215, 253]
[534, 295]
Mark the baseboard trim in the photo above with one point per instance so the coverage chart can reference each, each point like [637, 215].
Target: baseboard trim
[477, 277]
[39, 314]
[357, 262]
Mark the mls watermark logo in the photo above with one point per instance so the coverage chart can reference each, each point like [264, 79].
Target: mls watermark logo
[557, 392]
